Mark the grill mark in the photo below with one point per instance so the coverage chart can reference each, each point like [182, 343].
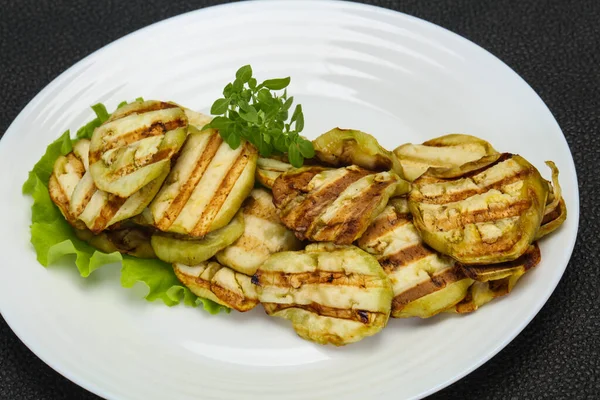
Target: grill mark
[108, 211]
[297, 279]
[491, 214]
[287, 187]
[528, 260]
[218, 199]
[363, 316]
[503, 157]
[155, 129]
[344, 228]
[445, 198]
[383, 225]
[186, 190]
[303, 216]
[404, 257]
[152, 107]
[437, 282]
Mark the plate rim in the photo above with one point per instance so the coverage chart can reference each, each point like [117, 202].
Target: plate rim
[79, 66]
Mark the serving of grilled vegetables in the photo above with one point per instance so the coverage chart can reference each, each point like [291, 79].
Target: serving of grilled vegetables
[264, 234]
[338, 245]
[332, 205]
[331, 294]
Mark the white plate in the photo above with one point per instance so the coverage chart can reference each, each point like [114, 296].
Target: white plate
[395, 76]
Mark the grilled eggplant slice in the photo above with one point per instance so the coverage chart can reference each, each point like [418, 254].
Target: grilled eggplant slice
[220, 284]
[343, 147]
[331, 294]
[555, 212]
[66, 174]
[206, 187]
[424, 282]
[495, 280]
[269, 169]
[192, 251]
[490, 215]
[264, 234]
[332, 205]
[134, 241]
[445, 151]
[135, 145]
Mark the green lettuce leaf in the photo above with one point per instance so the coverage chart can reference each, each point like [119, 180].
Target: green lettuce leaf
[53, 237]
[162, 283]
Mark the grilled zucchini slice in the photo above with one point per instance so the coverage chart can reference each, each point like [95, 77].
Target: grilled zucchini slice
[206, 187]
[445, 151]
[332, 205]
[505, 277]
[424, 282]
[135, 145]
[134, 241]
[490, 215]
[264, 234]
[269, 169]
[331, 294]
[66, 174]
[220, 284]
[342, 147]
[192, 251]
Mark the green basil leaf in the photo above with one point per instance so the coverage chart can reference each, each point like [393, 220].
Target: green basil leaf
[279, 141]
[234, 141]
[244, 73]
[306, 148]
[249, 114]
[228, 90]
[297, 111]
[252, 83]
[294, 156]
[288, 103]
[264, 97]
[276, 84]
[219, 107]
[299, 122]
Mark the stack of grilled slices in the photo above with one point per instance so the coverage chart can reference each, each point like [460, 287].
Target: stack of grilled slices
[338, 246]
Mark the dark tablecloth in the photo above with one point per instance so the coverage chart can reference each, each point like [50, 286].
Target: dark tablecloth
[553, 45]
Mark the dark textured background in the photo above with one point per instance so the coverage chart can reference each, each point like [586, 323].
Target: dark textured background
[553, 45]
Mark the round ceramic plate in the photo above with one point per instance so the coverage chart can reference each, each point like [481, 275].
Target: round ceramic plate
[392, 75]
